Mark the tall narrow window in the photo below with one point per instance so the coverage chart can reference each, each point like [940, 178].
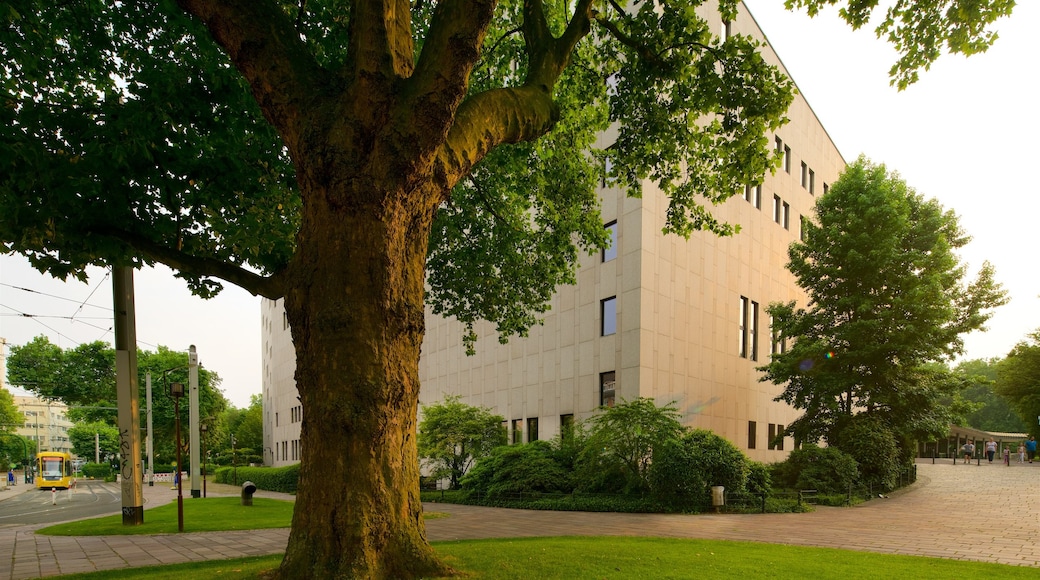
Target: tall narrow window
[610, 252]
[518, 431]
[725, 30]
[606, 389]
[772, 436]
[742, 348]
[567, 427]
[787, 216]
[787, 159]
[826, 188]
[753, 331]
[803, 225]
[777, 208]
[805, 176]
[751, 434]
[608, 316]
[780, 437]
[532, 429]
[812, 182]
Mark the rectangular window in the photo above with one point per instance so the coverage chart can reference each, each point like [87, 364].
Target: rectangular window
[606, 389]
[275, 422]
[826, 188]
[803, 224]
[725, 31]
[805, 176]
[610, 252]
[787, 159]
[812, 182]
[518, 431]
[608, 316]
[779, 144]
[753, 331]
[567, 427]
[777, 206]
[749, 195]
[780, 437]
[787, 216]
[772, 435]
[532, 429]
[751, 435]
[742, 346]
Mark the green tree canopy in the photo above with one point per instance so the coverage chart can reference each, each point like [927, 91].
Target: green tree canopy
[325, 152]
[627, 434]
[989, 411]
[453, 436]
[82, 436]
[886, 297]
[1018, 381]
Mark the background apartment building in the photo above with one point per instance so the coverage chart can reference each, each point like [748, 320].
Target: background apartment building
[46, 423]
[657, 316]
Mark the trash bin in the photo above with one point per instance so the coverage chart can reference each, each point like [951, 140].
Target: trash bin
[248, 489]
[718, 497]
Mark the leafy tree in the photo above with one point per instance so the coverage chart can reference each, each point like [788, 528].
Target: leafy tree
[1018, 380]
[10, 417]
[825, 469]
[454, 435]
[322, 152]
[989, 411]
[82, 437]
[622, 439]
[886, 299]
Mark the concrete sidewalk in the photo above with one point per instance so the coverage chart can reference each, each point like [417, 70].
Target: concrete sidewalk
[965, 512]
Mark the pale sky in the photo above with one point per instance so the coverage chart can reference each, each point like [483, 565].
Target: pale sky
[965, 134]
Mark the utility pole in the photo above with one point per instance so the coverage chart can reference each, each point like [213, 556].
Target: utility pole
[127, 396]
[193, 420]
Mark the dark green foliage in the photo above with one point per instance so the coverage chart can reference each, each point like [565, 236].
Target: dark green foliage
[990, 411]
[282, 479]
[514, 469]
[621, 443]
[868, 440]
[1018, 380]
[684, 469]
[825, 469]
[759, 478]
[97, 470]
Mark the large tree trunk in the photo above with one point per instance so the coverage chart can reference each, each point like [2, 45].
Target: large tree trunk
[355, 305]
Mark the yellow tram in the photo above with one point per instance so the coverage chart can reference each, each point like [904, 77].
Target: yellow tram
[53, 470]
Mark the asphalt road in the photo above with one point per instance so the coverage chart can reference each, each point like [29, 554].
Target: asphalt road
[37, 506]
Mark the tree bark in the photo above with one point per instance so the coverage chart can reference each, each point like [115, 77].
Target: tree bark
[355, 306]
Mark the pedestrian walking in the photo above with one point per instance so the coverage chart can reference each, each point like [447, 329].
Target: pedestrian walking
[1007, 456]
[1021, 452]
[10, 478]
[1031, 448]
[991, 449]
[968, 449]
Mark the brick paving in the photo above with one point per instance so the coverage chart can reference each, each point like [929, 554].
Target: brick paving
[964, 512]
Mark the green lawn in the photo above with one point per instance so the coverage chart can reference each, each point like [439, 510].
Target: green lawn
[212, 514]
[598, 558]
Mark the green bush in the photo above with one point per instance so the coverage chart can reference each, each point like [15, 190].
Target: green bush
[872, 444]
[684, 469]
[514, 469]
[282, 479]
[97, 470]
[825, 469]
[759, 480]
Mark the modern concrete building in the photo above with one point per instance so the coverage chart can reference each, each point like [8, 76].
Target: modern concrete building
[656, 316]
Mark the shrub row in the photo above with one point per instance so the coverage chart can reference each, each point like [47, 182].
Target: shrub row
[282, 479]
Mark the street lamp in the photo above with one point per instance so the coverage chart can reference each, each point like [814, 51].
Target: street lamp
[203, 429]
[177, 391]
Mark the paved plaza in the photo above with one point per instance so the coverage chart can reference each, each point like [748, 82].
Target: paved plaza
[965, 512]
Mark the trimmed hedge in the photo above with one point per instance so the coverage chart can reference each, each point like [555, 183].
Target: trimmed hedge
[97, 470]
[281, 479]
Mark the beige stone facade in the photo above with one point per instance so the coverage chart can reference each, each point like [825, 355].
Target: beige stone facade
[46, 423]
[677, 320]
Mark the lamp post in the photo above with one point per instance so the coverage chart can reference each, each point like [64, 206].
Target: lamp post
[177, 391]
[203, 430]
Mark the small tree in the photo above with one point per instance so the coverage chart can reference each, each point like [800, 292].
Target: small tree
[622, 439]
[82, 436]
[685, 468]
[454, 435]
[513, 469]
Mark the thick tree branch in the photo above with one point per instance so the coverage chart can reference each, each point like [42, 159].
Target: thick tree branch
[267, 286]
[441, 78]
[265, 47]
[492, 118]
